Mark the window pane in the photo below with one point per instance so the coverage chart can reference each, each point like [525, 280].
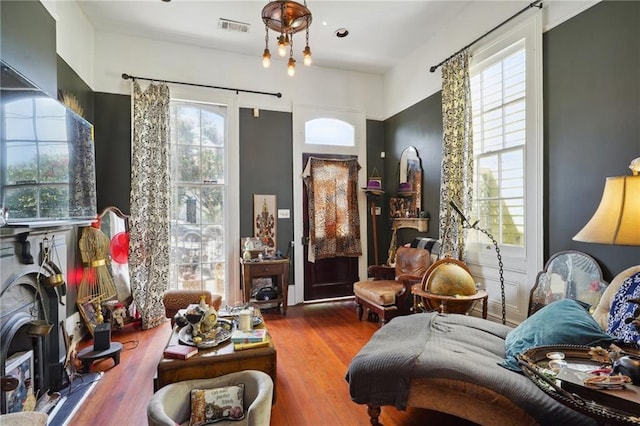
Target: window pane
[197, 229]
[22, 163]
[329, 131]
[499, 117]
[187, 164]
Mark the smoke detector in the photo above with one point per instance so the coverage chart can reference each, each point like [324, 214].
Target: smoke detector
[234, 26]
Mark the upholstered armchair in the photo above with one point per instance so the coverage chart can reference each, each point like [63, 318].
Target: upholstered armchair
[389, 293]
[171, 405]
[174, 300]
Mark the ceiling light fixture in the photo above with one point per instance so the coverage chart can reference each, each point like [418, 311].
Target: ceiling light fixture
[286, 18]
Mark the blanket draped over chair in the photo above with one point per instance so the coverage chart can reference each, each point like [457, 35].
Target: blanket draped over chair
[422, 345]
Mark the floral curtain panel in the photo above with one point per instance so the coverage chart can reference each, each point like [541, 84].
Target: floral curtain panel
[457, 154]
[150, 202]
[334, 220]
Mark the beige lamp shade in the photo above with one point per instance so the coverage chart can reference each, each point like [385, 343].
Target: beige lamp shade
[617, 219]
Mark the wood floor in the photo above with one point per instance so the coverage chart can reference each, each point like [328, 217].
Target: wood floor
[315, 344]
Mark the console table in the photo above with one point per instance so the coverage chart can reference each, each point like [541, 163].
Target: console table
[276, 268]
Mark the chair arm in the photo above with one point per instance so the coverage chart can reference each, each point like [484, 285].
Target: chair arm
[381, 272]
[408, 281]
[259, 411]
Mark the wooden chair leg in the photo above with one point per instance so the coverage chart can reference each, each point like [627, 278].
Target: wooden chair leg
[374, 413]
[359, 311]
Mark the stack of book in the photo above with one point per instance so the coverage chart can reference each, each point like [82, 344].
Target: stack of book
[249, 339]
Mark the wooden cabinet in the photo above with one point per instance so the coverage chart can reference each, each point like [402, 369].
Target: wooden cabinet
[277, 270]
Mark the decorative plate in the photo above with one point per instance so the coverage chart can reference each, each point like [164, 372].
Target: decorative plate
[221, 334]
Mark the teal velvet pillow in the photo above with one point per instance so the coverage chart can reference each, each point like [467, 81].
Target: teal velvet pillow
[564, 322]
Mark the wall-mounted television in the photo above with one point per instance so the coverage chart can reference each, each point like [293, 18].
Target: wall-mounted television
[47, 155]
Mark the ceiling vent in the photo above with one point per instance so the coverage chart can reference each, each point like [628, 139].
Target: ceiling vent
[234, 26]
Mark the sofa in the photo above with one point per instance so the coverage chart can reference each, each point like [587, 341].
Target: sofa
[452, 364]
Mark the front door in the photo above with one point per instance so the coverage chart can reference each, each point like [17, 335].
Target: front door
[331, 277]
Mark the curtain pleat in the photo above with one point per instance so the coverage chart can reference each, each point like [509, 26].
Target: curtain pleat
[457, 154]
[150, 202]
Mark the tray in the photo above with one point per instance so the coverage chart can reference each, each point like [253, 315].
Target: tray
[224, 328]
[597, 404]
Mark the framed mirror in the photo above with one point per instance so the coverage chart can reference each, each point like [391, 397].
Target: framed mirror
[410, 180]
[115, 225]
[568, 274]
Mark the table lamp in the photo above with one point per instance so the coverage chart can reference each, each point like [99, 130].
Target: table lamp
[617, 218]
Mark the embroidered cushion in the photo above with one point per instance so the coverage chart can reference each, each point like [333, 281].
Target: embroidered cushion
[213, 405]
[564, 322]
[621, 309]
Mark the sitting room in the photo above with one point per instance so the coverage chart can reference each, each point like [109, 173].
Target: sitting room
[424, 212]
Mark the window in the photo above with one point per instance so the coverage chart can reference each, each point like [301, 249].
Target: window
[506, 96]
[498, 93]
[329, 131]
[198, 141]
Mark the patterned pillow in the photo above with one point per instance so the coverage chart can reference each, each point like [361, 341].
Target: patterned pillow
[213, 405]
[621, 309]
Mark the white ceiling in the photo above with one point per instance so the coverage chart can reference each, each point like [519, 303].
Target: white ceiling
[381, 33]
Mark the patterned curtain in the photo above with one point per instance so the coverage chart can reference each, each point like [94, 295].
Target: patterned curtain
[334, 219]
[150, 202]
[457, 154]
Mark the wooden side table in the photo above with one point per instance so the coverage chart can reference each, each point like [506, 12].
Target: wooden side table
[277, 268]
[89, 355]
[449, 304]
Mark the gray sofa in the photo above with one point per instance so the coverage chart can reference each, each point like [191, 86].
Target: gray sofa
[449, 363]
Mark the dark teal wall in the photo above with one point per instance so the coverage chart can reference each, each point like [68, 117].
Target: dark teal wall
[69, 82]
[266, 167]
[113, 150]
[592, 121]
[419, 126]
[591, 126]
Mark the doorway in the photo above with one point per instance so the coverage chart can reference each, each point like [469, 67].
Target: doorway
[329, 143]
[329, 277]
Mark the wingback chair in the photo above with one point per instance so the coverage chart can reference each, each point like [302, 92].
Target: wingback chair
[389, 293]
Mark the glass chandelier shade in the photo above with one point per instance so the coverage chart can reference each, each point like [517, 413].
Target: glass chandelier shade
[286, 18]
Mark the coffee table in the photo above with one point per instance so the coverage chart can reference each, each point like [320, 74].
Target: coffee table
[214, 362]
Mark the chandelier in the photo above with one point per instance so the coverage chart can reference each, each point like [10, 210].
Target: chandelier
[286, 18]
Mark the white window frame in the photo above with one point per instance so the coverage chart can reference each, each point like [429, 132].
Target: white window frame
[232, 178]
[520, 265]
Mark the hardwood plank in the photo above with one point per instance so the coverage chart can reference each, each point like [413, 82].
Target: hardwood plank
[314, 342]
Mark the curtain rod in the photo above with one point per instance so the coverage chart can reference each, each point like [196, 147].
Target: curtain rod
[534, 4]
[133, 77]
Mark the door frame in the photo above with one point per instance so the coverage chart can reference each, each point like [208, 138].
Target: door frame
[302, 114]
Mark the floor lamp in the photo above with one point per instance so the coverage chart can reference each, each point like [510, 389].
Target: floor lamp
[468, 225]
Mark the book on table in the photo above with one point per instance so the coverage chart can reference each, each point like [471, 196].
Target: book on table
[180, 351]
[249, 336]
[245, 346]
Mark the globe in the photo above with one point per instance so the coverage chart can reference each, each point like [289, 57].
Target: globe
[449, 279]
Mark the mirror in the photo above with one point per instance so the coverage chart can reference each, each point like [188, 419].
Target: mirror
[410, 181]
[115, 225]
[568, 274]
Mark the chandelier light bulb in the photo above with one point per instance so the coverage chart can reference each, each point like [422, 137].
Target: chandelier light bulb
[282, 46]
[291, 68]
[266, 58]
[307, 56]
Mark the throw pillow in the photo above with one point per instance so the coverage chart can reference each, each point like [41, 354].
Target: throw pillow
[213, 405]
[621, 309]
[564, 322]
